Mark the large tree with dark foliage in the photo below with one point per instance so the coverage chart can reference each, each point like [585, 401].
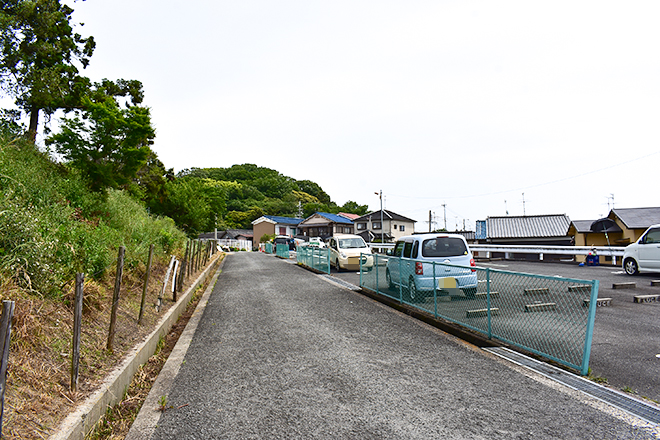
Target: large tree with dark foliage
[40, 57]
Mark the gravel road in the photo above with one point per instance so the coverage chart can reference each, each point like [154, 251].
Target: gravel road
[281, 353]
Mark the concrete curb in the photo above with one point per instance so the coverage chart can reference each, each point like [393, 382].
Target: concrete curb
[111, 391]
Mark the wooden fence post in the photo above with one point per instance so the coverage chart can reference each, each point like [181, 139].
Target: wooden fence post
[115, 296]
[77, 325]
[184, 263]
[146, 284]
[5, 339]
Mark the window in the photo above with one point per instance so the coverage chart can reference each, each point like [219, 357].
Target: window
[348, 230]
[407, 249]
[398, 250]
[402, 228]
[415, 250]
[444, 247]
[361, 226]
[653, 236]
[376, 225]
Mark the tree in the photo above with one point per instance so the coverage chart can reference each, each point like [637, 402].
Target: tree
[39, 56]
[107, 143]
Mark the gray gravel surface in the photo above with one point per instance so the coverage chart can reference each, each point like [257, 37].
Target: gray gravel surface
[280, 353]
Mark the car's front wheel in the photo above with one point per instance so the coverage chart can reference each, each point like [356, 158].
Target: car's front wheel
[630, 266]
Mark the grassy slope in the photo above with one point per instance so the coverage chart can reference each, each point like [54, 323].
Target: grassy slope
[51, 227]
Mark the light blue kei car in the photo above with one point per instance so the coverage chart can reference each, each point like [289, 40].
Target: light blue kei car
[411, 266]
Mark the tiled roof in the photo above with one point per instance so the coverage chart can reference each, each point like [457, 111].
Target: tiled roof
[284, 220]
[637, 218]
[582, 226]
[530, 226]
[348, 215]
[335, 218]
[375, 215]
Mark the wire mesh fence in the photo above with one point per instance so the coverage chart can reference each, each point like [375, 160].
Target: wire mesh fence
[549, 316]
[282, 250]
[268, 248]
[314, 257]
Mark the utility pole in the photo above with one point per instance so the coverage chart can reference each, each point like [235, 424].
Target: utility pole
[444, 207]
[523, 194]
[430, 220]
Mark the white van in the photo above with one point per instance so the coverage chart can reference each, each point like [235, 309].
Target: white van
[644, 254]
[412, 266]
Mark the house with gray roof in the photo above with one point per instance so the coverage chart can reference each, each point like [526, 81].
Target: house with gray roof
[549, 229]
[621, 227]
[393, 226]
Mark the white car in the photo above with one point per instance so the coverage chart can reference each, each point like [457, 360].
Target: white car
[349, 251]
[317, 242]
[644, 254]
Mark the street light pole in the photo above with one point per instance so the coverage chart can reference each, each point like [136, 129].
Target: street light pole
[382, 227]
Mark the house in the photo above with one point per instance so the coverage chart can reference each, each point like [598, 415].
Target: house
[621, 227]
[525, 230]
[324, 225]
[238, 238]
[393, 226]
[275, 225]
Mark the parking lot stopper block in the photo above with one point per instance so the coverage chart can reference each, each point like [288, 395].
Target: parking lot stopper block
[579, 289]
[483, 295]
[655, 282]
[646, 298]
[542, 307]
[630, 285]
[481, 312]
[539, 291]
[600, 302]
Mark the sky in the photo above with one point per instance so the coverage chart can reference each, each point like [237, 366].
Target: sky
[467, 109]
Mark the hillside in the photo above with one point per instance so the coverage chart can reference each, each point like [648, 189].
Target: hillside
[52, 226]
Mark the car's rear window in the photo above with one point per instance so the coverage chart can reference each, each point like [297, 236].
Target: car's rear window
[444, 247]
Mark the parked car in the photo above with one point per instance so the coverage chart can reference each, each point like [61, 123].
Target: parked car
[644, 254]
[316, 241]
[416, 270]
[348, 251]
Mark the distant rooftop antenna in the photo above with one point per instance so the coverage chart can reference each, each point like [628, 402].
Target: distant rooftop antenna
[610, 197]
[523, 194]
[505, 208]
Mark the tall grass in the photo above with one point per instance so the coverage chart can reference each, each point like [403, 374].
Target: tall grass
[52, 225]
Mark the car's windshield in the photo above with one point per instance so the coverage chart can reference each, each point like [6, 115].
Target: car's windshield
[444, 247]
[351, 243]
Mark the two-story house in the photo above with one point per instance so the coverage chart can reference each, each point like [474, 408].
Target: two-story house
[393, 225]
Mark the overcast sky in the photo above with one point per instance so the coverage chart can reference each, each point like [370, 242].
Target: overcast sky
[467, 104]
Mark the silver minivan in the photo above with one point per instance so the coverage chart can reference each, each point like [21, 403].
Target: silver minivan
[415, 266]
[644, 254]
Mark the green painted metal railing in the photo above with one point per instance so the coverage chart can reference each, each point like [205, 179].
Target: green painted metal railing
[549, 316]
[282, 250]
[314, 257]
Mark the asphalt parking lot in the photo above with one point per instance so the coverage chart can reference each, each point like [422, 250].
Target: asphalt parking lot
[626, 347]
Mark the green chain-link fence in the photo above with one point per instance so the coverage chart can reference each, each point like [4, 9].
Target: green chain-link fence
[550, 316]
[314, 257]
[282, 250]
[269, 248]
